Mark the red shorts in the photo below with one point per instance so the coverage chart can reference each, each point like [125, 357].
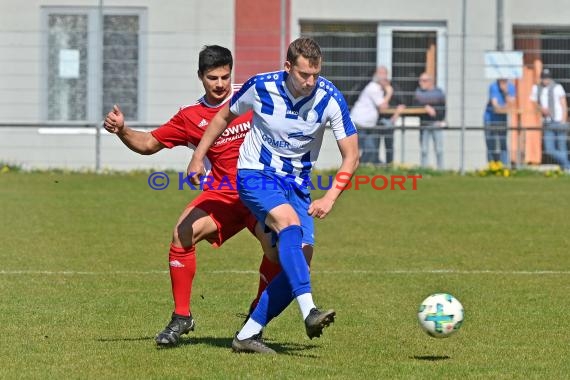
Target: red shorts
[228, 212]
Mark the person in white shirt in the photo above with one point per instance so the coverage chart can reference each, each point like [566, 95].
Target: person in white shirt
[550, 99]
[373, 99]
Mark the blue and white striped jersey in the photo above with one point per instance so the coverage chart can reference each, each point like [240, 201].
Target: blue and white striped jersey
[287, 133]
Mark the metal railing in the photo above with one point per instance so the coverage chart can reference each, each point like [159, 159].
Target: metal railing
[85, 145]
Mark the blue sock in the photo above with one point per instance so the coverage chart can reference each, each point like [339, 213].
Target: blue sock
[276, 297]
[293, 261]
[295, 275]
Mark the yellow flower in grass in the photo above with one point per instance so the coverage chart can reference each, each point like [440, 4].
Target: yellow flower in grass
[5, 169]
[506, 173]
[495, 166]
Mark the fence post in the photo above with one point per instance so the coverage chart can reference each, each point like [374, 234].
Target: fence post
[99, 95]
[402, 141]
[463, 94]
[519, 146]
[97, 147]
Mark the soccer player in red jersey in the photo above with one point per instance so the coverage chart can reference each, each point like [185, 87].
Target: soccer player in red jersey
[217, 213]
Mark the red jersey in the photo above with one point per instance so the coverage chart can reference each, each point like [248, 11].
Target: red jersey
[187, 128]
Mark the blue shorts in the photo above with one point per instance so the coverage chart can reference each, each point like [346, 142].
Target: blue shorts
[263, 191]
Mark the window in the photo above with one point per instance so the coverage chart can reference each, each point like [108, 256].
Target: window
[412, 54]
[549, 45]
[409, 50]
[67, 67]
[120, 63]
[349, 54]
[75, 79]
[352, 51]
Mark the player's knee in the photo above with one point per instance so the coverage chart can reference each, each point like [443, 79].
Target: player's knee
[183, 235]
[282, 217]
[287, 221]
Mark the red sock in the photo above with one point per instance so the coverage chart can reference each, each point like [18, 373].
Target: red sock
[182, 264]
[267, 272]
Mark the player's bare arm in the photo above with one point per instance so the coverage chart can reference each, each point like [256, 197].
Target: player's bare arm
[348, 147]
[137, 141]
[216, 127]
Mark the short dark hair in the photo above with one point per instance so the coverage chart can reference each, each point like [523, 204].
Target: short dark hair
[212, 56]
[307, 47]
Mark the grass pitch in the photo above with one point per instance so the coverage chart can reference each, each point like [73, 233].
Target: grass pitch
[84, 283]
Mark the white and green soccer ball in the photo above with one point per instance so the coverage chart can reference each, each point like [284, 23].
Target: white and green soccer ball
[440, 315]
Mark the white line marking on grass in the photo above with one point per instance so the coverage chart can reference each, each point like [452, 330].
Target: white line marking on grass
[78, 273]
[419, 271]
[235, 271]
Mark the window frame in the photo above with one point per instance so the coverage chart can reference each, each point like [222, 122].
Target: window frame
[384, 48]
[348, 93]
[94, 71]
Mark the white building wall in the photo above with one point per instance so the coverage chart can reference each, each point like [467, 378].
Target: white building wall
[174, 33]
[530, 12]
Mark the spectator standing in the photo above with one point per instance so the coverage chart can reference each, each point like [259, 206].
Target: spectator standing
[432, 99]
[365, 115]
[501, 99]
[550, 99]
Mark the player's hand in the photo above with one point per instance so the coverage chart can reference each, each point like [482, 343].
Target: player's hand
[320, 208]
[115, 120]
[195, 170]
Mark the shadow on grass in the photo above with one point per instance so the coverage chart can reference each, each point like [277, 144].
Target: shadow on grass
[125, 339]
[288, 348]
[431, 358]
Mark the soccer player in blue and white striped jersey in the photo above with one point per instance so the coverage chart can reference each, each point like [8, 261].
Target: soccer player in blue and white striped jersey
[290, 111]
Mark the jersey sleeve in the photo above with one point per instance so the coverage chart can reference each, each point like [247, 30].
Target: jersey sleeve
[340, 120]
[243, 100]
[174, 132]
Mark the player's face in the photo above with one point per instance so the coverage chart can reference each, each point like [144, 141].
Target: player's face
[302, 77]
[217, 83]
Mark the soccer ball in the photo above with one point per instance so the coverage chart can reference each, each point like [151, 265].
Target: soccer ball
[440, 315]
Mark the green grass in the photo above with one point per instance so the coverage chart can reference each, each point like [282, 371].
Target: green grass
[84, 287]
